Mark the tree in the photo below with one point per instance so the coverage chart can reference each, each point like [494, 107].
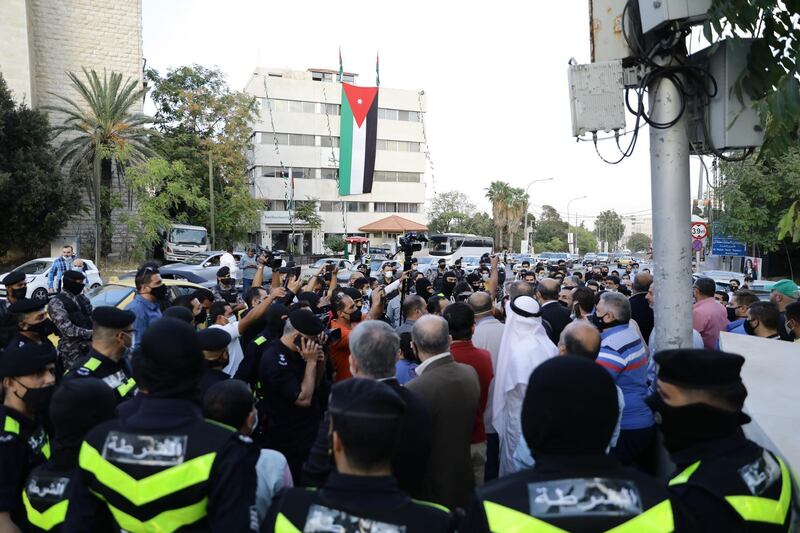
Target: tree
[639, 241]
[549, 231]
[159, 187]
[449, 212]
[39, 200]
[336, 244]
[499, 193]
[197, 113]
[102, 128]
[517, 205]
[307, 212]
[610, 227]
[586, 240]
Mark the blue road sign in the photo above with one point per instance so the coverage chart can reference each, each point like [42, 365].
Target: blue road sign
[727, 246]
[697, 245]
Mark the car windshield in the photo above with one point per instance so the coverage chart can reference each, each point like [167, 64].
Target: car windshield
[196, 259]
[322, 262]
[424, 260]
[188, 236]
[471, 260]
[34, 268]
[110, 295]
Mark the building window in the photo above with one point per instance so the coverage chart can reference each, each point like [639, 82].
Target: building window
[301, 140]
[332, 109]
[392, 176]
[348, 78]
[330, 173]
[396, 146]
[304, 173]
[329, 142]
[321, 76]
[358, 207]
[396, 207]
[274, 172]
[275, 205]
[330, 207]
[396, 114]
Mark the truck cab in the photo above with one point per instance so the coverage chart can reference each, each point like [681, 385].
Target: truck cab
[182, 241]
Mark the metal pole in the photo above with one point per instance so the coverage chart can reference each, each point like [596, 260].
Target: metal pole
[97, 213]
[671, 199]
[525, 224]
[569, 248]
[211, 196]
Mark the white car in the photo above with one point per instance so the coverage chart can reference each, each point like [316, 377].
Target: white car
[37, 270]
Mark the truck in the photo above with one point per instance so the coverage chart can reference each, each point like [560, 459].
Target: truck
[180, 241]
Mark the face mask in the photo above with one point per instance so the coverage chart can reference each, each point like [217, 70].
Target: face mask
[38, 400]
[201, 317]
[748, 327]
[225, 282]
[484, 277]
[368, 294]
[73, 287]
[19, 294]
[355, 316]
[387, 275]
[232, 319]
[160, 292]
[599, 324]
[43, 328]
[731, 313]
[691, 424]
[563, 304]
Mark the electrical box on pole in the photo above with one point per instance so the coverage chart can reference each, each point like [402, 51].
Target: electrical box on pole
[596, 97]
[606, 24]
[657, 13]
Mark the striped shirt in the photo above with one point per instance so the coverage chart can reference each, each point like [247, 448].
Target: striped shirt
[623, 354]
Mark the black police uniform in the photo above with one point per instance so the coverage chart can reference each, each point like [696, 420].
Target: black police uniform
[164, 468]
[116, 374]
[8, 324]
[214, 340]
[572, 493]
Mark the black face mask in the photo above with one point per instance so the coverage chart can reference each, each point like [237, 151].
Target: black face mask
[691, 424]
[73, 287]
[599, 324]
[201, 317]
[225, 282]
[748, 327]
[38, 400]
[43, 328]
[160, 292]
[20, 293]
[355, 316]
[563, 304]
[731, 314]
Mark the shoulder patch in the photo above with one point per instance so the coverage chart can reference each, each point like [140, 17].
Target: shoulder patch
[7, 437]
[282, 360]
[83, 371]
[261, 340]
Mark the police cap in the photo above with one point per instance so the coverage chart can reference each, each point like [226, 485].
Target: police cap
[169, 359]
[699, 369]
[306, 322]
[213, 339]
[365, 399]
[223, 272]
[13, 277]
[179, 312]
[78, 405]
[203, 294]
[25, 360]
[74, 275]
[311, 297]
[27, 305]
[111, 317]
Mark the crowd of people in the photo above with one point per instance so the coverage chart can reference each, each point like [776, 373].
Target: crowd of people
[485, 401]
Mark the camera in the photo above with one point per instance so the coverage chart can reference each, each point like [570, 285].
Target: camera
[412, 242]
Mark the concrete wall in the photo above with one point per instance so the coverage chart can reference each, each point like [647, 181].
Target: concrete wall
[15, 52]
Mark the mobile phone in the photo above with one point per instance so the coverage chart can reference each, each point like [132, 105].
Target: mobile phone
[329, 267]
[296, 271]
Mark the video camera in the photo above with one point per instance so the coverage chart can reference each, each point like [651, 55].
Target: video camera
[411, 242]
[271, 259]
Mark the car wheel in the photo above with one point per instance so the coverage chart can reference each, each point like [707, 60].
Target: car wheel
[40, 294]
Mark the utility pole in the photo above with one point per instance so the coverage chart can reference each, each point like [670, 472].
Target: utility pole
[211, 196]
[525, 224]
[669, 183]
[570, 246]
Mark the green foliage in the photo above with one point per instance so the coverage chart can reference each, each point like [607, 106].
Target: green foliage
[159, 188]
[758, 196]
[508, 211]
[586, 240]
[549, 228]
[38, 200]
[553, 245]
[335, 243]
[453, 212]
[610, 227]
[639, 241]
[773, 68]
[307, 212]
[197, 113]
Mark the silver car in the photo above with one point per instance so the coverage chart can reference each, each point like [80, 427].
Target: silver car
[206, 264]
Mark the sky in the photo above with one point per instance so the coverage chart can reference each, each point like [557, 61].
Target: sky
[494, 73]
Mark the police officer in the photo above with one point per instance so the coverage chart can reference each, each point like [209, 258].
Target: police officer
[109, 359]
[291, 378]
[458, 271]
[77, 406]
[365, 420]
[214, 343]
[275, 318]
[436, 275]
[225, 290]
[164, 467]
[16, 288]
[568, 416]
[33, 324]
[28, 382]
[727, 482]
[71, 313]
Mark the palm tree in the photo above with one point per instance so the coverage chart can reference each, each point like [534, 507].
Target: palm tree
[517, 205]
[103, 129]
[499, 193]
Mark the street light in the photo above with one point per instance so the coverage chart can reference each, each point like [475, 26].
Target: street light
[576, 222]
[527, 243]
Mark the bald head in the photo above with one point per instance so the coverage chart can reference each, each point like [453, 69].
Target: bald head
[548, 289]
[642, 282]
[580, 338]
[520, 288]
[431, 336]
[481, 303]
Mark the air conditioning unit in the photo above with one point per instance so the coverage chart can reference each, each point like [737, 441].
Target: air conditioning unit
[657, 13]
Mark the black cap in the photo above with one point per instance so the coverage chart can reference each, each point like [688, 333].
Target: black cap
[111, 317]
[361, 398]
[179, 312]
[306, 322]
[570, 407]
[311, 297]
[74, 275]
[699, 369]
[203, 294]
[362, 265]
[169, 360]
[213, 339]
[13, 277]
[223, 272]
[77, 406]
[353, 293]
[25, 360]
[27, 305]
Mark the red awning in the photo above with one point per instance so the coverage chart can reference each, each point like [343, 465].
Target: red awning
[356, 240]
[393, 224]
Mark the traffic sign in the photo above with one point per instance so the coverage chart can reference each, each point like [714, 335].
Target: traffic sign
[727, 246]
[699, 230]
[697, 245]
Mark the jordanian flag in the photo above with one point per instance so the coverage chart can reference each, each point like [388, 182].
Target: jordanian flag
[359, 127]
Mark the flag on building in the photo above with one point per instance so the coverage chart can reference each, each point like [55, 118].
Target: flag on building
[358, 133]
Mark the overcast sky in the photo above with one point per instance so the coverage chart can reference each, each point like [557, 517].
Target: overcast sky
[495, 74]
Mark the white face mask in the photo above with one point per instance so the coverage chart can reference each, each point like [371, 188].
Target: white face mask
[232, 319]
[484, 277]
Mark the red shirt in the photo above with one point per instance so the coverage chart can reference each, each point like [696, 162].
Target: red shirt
[465, 352]
[340, 353]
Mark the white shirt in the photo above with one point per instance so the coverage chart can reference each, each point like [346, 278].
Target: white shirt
[487, 336]
[227, 260]
[427, 362]
[235, 353]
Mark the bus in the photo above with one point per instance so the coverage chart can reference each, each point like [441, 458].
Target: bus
[455, 245]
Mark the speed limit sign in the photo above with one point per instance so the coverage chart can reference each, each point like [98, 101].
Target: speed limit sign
[699, 230]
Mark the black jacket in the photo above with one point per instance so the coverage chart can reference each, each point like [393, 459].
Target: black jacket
[642, 313]
[558, 318]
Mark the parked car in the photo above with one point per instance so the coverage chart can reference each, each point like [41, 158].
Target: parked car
[517, 265]
[624, 260]
[177, 274]
[603, 258]
[591, 257]
[552, 258]
[205, 265]
[37, 271]
[120, 292]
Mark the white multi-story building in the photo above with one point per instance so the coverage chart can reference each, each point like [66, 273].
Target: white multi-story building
[298, 158]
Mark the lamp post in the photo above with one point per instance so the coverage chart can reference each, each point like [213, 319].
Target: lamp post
[527, 243]
[576, 221]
